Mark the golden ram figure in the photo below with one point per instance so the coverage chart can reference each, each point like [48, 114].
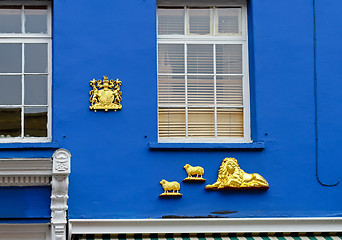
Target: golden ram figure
[191, 171]
[231, 176]
[168, 187]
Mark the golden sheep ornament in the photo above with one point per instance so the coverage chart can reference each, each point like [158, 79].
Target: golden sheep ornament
[194, 173]
[171, 189]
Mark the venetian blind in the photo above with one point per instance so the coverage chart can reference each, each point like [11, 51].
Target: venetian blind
[200, 73]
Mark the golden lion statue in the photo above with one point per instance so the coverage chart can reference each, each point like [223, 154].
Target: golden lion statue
[230, 175]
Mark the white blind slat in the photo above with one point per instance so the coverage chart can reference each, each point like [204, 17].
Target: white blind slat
[228, 21]
[200, 58]
[170, 21]
[171, 58]
[199, 21]
[200, 90]
[229, 58]
[171, 122]
[171, 90]
[201, 122]
[229, 122]
[229, 90]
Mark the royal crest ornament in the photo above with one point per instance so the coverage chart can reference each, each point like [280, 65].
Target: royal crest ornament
[105, 95]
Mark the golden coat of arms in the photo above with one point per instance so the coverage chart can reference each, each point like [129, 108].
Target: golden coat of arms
[105, 94]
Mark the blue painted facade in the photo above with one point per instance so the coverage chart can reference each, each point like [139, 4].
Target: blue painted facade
[115, 173]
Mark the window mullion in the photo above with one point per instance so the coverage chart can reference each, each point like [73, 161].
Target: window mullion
[215, 102]
[22, 87]
[186, 87]
[22, 71]
[48, 19]
[186, 73]
[214, 20]
[49, 119]
[22, 20]
[245, 91]
[243, 22]
[185, 21]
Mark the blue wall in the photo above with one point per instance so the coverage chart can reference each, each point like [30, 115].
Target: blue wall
[22, 203]
[116, 175]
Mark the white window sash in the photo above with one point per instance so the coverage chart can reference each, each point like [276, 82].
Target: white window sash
[31, 38]
[219, 39]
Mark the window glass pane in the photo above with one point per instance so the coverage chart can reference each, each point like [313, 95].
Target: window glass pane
[229, 122]
[171, 122]
[171, 90]
[229, 90]
[229, 58]
[35, 122]
[36, 58]
[10, 19]
[201, 122]
[10, 90]
[199, 21]
[170, 21]
[200, 90]
[35, 89]
[10, 61]
[10, 122]
[200, 58]
[171, 58]
[36, 19]
[228, 20]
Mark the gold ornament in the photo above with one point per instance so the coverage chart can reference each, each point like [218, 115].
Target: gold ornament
[231, 176]
[106, 95]
[168, 187]
[191, 171]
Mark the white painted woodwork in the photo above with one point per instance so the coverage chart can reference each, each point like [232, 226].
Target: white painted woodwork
[25, 232]
[204, 225]
[40, 172]
[59, 194]
[25, 171]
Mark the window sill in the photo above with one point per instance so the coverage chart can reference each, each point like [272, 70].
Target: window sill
[48, 145]
[254, 146]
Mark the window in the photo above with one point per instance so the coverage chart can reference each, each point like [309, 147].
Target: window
[25, 72]
[203, 90]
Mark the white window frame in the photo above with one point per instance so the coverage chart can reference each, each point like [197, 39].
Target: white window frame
[218, 39]
[31, 38]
